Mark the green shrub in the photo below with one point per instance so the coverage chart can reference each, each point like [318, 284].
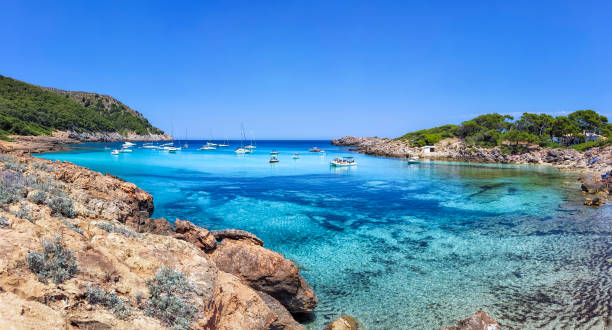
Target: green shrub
[110, 300]
[170, 291]
[73, 227]
[24, 213]
[111, 228]
[592, 144]
[42, 166]
[55, 262]
[38, 197]
[62, 206]
[4, 222]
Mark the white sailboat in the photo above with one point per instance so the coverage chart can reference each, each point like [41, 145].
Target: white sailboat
[252, 145]
[242, 149]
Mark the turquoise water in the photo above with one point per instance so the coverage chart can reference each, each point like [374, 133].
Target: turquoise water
[398, 245]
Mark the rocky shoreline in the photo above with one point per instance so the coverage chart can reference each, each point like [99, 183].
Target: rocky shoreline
[41, 143]
[591, 164]
[117, 249]
[79, 249]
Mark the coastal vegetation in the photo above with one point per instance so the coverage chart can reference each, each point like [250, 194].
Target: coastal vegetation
[54, 262]
[27, 109]
[580, 130]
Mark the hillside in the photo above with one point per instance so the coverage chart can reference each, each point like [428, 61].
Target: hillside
[27, 109]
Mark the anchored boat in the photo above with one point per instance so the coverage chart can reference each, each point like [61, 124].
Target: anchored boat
[344, 161]
[274, 159]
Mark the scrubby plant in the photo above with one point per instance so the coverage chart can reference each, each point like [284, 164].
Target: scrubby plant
[55, 262]
[110, 300]
[4, 222]
[73, 227]
[39, 197]
[15, 166]
[111, 228]
[24, 213]
[170, 291]
[42, 166]
[62, 206]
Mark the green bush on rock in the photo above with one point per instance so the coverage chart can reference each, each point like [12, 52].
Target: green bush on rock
[170, 291]
[55, 262]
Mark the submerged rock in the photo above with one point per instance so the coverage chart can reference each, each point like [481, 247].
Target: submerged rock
[266, 271]
[344, 322]
[481, 320]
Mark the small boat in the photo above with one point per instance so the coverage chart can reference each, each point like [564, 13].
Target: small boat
[210, 144]
[115, 152]
[125, 150]
[242, 151]
[413, 160]
[250, 146]
[149, 146]
[315, 149]
[185, 146]
[106, 148]
[173, 149]
[273, 159]
[273, 152]
[222, 145]
[344, 161]
[127, 145]
[296, 155]
[207, 147]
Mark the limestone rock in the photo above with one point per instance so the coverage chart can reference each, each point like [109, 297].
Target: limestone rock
[344, 322]
[236, 234]
[198, 236]
[18, 313]
[236, 306]
[481, 320]
[266, 271]
[284, 320]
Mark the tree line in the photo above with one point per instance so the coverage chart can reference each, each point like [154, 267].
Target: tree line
[492, 130]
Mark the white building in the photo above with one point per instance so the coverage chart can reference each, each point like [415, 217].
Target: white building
[428, 149]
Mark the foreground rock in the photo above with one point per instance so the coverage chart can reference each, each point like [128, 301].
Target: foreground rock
[104, 256]
[266, 271]
[481, 320]
[344, 322]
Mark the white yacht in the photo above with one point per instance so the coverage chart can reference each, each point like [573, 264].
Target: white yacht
[344, 161]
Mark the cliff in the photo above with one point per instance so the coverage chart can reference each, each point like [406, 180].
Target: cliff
[79, 250]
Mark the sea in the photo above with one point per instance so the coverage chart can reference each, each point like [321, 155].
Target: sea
[394, 243]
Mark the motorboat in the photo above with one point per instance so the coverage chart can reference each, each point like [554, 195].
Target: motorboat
[173, 149]
[207, 147]
[274, 159]
[127, 145]
[210, 144]
[242, 151]
[296, 155]
[125, 150]
[149, 146]
[115, 152]
[315, 149]
[273, 152]
[413, 160]
[343, 161]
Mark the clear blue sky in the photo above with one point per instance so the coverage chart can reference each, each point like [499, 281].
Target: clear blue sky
[316, 69]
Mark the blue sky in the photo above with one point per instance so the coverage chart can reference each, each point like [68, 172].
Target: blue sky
[316, 69]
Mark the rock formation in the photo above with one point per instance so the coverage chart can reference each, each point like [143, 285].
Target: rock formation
[102, 226]
[479, 321]
[344, 322]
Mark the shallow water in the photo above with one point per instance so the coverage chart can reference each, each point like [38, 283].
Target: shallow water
[397, 245]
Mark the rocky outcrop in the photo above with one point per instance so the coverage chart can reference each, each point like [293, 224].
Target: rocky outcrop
[284, 320]
[594, 160]
[266, 271]
[118, 250]
[195, 235]
[237, 235]
[344, 322]
[481, 320]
